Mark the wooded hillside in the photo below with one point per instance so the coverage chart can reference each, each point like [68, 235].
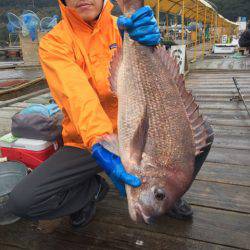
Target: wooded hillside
[231, 9]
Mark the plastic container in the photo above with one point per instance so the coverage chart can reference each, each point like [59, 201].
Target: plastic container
[10, 174]
[224, 49]
[28, 151]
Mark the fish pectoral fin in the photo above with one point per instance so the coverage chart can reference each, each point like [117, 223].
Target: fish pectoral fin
[113, 69]
[138, 141]
[110, 142]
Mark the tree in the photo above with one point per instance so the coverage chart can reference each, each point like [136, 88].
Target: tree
[232, 9]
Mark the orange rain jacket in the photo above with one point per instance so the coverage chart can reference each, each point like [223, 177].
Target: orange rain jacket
[75, 58]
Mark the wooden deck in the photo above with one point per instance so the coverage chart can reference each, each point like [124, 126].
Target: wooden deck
[226, 62]
[220, 196]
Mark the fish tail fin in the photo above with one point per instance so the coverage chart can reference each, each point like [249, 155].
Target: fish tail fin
[110, 142]
[196, 120]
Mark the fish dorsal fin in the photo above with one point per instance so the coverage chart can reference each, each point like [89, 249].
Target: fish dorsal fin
[196, 120]
[169, 63]
[113, 69]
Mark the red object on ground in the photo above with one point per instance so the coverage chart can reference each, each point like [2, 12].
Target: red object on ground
[30, 158]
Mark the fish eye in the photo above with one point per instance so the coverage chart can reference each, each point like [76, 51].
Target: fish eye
[159, 194]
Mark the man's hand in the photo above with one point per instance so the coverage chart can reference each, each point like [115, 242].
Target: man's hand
[141, 26]
[113, 167]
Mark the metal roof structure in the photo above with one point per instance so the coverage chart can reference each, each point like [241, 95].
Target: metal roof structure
[205, 10]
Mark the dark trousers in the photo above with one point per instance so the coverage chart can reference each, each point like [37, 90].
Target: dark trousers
[63, 184]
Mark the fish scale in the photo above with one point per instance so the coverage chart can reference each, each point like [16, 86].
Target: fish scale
[160, 130]
[146, 85]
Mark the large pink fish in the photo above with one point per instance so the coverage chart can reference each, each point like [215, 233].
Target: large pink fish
[160, 130]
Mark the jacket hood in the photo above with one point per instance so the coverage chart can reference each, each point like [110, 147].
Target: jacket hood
[71, 16]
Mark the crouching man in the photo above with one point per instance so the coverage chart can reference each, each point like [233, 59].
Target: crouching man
[75, 58]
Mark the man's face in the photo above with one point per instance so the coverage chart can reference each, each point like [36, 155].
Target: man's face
[88, 10]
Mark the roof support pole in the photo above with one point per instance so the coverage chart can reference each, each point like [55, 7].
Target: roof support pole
[216, 29]
[10, 43]
[204, 34]
[211, 29]
[229, 32]
[183, 22]
[196, 30]
[222, 30]
[175, 26]
[167, 25]
[158, 11]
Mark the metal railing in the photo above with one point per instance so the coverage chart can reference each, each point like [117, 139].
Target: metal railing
[241, 96]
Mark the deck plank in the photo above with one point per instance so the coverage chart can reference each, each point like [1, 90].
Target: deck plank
[225, 173]
[224, 130]
[209, 225]
[229, 156]
[229, 122]
[218, 195]
[234, 141]
[218, 106]
[5, 125]
[99, 235]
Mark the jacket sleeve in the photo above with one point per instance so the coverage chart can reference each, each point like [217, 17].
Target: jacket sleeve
[72, 91]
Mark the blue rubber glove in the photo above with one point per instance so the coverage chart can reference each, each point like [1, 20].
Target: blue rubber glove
[142, 26]
[113, 167]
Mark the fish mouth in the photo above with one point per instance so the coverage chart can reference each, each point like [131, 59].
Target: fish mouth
[141, 216]
[137, 213]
